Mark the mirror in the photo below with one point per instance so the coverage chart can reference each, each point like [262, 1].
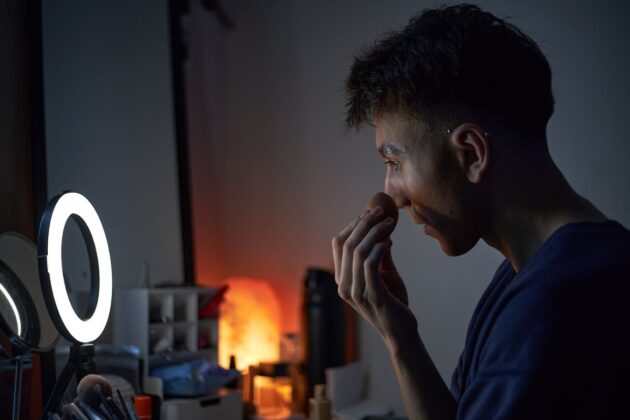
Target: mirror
[111, 134]
[24, 319]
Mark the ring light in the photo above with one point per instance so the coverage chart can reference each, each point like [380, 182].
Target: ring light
[16, 313]
[56, 215]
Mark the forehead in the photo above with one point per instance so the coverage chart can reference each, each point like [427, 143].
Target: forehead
[397, 134]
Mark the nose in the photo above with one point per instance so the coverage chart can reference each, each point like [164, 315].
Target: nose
[396, 192]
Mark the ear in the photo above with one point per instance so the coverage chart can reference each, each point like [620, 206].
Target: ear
[472, 152]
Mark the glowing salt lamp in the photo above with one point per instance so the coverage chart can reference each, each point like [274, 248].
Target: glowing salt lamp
[249, 325]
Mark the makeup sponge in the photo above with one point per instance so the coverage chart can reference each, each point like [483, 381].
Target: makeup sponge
[386, 203]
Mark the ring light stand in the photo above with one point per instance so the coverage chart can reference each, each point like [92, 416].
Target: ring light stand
[81, 363]
[80, 331]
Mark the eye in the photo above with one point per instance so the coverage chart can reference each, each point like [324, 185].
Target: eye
[393, 164]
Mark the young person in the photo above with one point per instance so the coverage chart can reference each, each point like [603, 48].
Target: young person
[460, 100]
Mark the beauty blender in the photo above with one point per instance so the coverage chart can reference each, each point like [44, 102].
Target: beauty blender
[386, 203]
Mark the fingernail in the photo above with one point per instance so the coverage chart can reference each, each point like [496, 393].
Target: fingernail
[362, 215]
[377, 211]
[389, 220]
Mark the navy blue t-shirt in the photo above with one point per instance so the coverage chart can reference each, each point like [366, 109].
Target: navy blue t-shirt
[553, 341]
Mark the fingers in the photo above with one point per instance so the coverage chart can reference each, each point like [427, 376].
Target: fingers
[355, 250]
[387, 263]
[352, 246]
[375, 291]
[338, 242]
[360, 255]
[353, 240]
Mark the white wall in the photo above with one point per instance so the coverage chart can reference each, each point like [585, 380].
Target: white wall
[293, 176]
[110, 131]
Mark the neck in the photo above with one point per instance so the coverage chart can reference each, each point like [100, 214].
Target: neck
[526, 216]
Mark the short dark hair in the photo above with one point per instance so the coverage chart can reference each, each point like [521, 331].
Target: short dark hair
[450, 64]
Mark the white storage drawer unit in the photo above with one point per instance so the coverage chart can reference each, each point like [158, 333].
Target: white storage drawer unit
[225, 406]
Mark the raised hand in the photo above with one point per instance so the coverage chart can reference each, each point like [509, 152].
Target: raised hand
[367, 278]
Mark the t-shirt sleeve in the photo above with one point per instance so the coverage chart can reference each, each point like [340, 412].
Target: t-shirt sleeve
[505, 385]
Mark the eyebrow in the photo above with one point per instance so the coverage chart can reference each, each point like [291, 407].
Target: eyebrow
[390, 150]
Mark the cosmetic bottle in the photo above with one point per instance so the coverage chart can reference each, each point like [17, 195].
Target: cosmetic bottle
[142, 405]
[319, 407]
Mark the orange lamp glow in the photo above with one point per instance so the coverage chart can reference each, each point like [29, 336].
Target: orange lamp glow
[272, 397]
[249, 325]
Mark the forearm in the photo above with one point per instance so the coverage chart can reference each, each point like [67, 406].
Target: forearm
[425, 394]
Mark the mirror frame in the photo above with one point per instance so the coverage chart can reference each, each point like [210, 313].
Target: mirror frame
[12, 345]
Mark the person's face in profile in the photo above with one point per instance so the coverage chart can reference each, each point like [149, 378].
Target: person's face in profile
[424, 178]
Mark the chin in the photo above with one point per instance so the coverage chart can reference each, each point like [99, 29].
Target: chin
[454, 251]
[457, 245]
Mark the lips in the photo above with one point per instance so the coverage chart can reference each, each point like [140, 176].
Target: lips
[418, 219]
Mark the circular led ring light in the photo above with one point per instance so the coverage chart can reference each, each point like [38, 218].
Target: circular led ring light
[16, 313]
[57, 213]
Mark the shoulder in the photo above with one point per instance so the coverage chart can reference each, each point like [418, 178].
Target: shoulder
[578, 247]
[581, 260]
[576, 286]
[551, 341]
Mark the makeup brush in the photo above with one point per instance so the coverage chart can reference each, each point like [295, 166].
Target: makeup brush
[90, 391]
[73, 411]
[90, 413]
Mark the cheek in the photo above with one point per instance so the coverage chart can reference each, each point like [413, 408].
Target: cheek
[416, 192]
[451, 196]
[439, 203]
[397, 185]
